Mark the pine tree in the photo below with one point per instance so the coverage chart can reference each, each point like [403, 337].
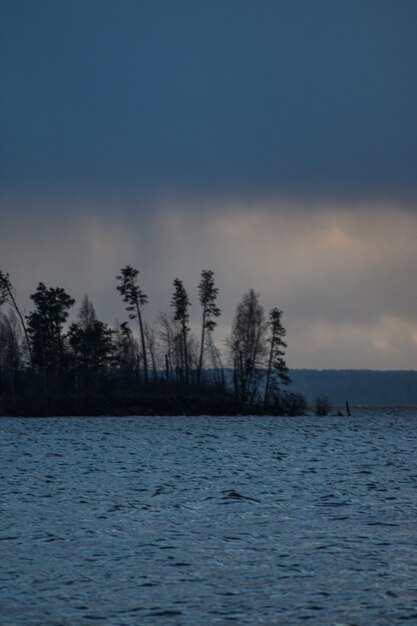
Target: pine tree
[180, 303]
[277, 347]
[91, 341]
[207, 294]
[45, 327]
[135, 298]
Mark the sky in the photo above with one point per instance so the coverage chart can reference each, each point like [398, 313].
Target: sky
[274, 142]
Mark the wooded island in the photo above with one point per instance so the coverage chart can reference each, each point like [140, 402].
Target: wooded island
[50, 367]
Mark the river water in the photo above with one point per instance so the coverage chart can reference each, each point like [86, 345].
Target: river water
[209, 520]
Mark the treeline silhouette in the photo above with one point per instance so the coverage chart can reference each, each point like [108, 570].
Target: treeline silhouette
[51, 367]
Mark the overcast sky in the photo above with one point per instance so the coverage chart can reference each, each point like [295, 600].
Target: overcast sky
[274, 142]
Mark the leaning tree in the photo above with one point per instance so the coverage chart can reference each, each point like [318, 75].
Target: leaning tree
[8, 296]
[135, 299]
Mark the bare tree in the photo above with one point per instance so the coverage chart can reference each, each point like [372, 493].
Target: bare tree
[10, 351]
[152, 345]
[8, 296]
[322, 406]
[86, 314]
[126, 349]
[166, 331]
[215, 363]
[247, 345]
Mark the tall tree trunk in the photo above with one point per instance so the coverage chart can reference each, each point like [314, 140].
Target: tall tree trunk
[242, 386]
[22, 321]
[142, 338]
[184, 335]
[268, 373]
[200, 360]
[167, 375]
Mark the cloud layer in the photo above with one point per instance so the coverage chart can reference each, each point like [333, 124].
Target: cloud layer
[341, 274]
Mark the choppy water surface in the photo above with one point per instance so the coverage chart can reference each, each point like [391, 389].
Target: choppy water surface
[209, 520]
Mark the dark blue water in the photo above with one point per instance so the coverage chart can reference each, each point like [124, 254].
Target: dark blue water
[211, 520]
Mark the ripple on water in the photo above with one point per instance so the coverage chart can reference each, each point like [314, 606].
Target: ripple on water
[208, 520]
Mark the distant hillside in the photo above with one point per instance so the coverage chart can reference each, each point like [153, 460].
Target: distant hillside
[367, 387]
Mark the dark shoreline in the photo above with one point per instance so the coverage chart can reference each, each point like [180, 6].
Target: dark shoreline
[124, 407]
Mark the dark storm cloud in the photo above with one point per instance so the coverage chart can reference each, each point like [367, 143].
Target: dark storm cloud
[274, 142]
[297, 98]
